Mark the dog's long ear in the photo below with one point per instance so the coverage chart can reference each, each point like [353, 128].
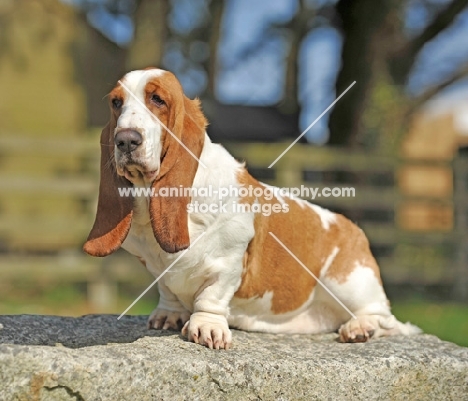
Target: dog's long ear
[169, 217]
[114, 212]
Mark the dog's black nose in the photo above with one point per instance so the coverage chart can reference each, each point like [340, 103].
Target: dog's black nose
[128, 140]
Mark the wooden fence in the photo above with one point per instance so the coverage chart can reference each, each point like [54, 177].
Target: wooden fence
[47, 205]
[49, 193]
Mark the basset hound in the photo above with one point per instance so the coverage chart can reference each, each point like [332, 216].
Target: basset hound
[296, 269]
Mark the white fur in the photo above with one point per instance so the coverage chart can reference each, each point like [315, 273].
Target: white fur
[137, 116]
[329, 261]
[204, 279]
[361, 292]
[277, 194]
[325, 215]
[216, 257]
[320, 313]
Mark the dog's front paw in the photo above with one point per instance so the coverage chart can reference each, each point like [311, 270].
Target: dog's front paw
[167, 320]
[209, 330]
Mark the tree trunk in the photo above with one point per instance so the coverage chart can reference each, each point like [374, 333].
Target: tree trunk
[298, 28]
[217, 11]
[150, 21]
[360, 21]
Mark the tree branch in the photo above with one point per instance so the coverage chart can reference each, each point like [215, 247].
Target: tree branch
[403, 59]
[304, 13]
[439, 23]
[428, 94]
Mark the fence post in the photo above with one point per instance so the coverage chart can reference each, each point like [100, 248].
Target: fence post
[102, 289]
[288, 172]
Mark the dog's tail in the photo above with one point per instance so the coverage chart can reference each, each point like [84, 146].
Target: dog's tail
[392, 326]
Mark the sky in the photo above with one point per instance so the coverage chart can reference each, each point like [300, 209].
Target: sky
[259, 79]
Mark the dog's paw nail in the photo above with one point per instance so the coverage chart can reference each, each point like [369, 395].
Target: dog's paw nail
[360, 338]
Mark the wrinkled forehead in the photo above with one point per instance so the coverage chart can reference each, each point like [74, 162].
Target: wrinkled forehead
[136, 81]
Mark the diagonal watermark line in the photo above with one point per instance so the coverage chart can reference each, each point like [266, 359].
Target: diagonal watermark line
[311, 125]
[313, 275]
[162, 274]
[160, 122]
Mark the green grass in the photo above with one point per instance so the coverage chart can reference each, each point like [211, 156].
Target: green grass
[448, 321]
[65, 300]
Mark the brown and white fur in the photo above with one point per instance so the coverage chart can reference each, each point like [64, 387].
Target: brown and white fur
[236, 274]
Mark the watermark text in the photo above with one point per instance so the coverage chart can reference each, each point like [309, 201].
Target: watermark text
[221, 193]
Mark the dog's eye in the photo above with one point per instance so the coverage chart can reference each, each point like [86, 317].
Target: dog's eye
[157, 100]
[117, 103]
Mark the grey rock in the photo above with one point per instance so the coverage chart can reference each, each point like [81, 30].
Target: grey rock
[98, 357]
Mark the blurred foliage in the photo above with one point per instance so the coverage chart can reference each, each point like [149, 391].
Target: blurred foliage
[384, 116]
[448, 321]
[426, 257]
[380, 48]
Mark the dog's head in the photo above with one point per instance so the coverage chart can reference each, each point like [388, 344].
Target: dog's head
[154, 138]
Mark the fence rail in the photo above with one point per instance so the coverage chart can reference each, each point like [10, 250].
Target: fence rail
[47, 208]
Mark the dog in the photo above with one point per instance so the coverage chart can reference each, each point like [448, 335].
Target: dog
[253, 259]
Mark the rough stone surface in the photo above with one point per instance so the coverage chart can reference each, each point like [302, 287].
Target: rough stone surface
[100, 358]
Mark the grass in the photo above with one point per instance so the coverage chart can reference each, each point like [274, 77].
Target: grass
[448, 321]
[69, 300]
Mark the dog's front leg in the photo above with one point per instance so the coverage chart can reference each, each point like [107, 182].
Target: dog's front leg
[170, 314]
[208, 324]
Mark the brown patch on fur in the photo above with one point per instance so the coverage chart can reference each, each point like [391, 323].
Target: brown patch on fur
[114, 212]
[354, 248]
[104, 244]
[269, 268]
[169, 218]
